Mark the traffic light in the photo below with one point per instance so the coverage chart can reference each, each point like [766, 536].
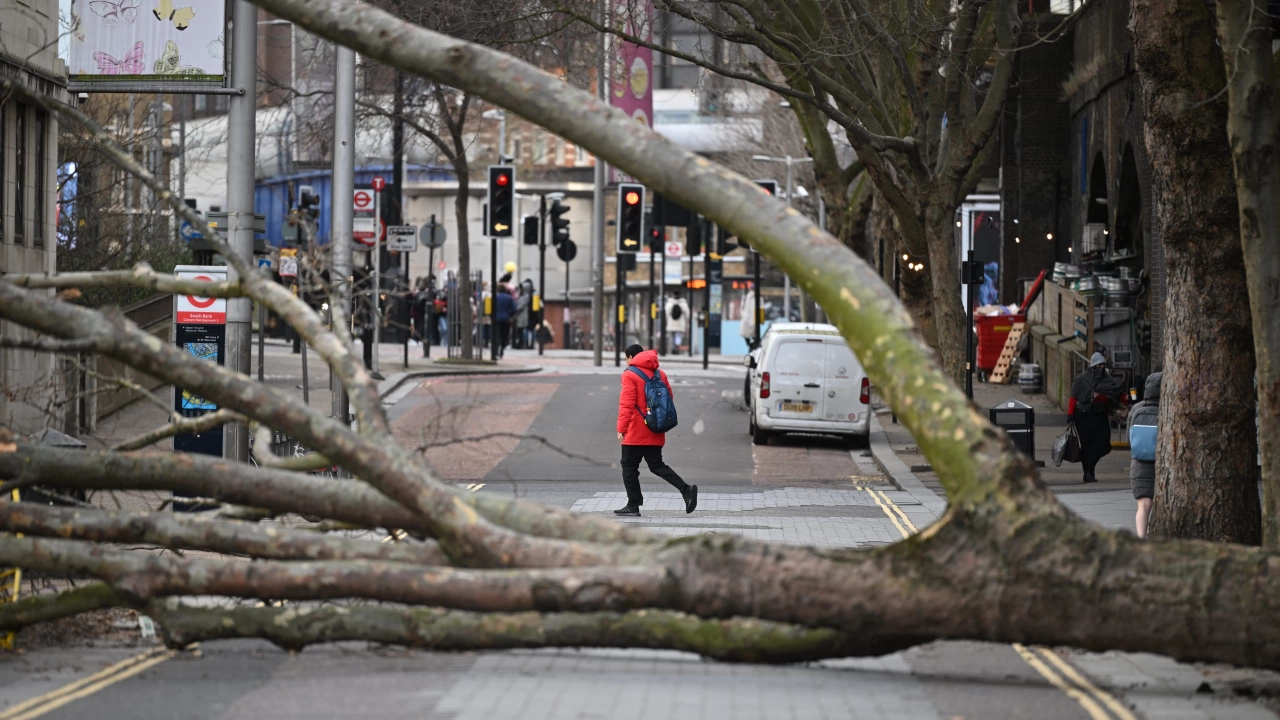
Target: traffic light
[530, 229]
[308, 202]
[723, 246]
[630, 217]
[653, 232]
[559, 224]
[695, 235]
[502, 206]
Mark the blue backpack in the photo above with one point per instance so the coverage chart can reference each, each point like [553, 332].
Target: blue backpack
[661, 416]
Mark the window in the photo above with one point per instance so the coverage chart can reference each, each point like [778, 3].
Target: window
[579, 155]
[539, 147]
[559, 159]
[41, 196]
[799, 359]
[19, 172]
[515, 151]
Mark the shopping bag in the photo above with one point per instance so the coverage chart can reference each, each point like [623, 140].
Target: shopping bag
[1066, 447]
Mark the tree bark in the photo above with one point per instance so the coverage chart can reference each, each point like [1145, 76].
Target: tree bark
[466, 321]
[284, 492]
[915, 287]
[1206, 468]
[292, 628]
[1253, 128]
[949, 317]
[184, 532]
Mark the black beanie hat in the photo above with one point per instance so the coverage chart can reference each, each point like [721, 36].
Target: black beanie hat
[634, 349]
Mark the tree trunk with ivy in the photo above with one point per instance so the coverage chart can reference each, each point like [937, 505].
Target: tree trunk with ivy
[1206, 462]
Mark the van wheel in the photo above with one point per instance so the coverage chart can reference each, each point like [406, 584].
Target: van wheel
[760, 436]
[858, 442]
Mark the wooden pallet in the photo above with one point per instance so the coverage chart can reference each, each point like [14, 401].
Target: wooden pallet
[1000, 375]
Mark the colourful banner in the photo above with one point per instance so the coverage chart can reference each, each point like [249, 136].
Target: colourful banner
[148, 40]
[631, 76]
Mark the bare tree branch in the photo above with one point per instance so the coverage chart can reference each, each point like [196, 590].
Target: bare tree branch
[181, 425]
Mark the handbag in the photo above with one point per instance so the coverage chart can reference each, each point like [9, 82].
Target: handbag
[1067, 446]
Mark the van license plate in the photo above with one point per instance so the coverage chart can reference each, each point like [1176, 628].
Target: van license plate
[796, 407]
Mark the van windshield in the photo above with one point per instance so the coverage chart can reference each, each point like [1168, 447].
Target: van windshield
[799, 359]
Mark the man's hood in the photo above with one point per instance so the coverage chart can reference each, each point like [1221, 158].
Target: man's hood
[1152, 390]
[647, 360]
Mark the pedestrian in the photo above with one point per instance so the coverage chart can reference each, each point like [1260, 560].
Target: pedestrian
[1092, 397]
[524, 303]
[677, 320]
[637, 440]
[504, 307]
[1142, 466]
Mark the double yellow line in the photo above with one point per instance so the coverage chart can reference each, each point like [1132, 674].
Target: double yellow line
[50, 701]
[1096, 702]
[1072, 682]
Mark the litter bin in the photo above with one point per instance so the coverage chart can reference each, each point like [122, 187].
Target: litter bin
[1018, 419]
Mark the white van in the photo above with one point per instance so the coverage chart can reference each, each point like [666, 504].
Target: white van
[805, 379]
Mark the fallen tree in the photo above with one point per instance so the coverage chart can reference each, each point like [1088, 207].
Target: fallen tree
[1006, 562]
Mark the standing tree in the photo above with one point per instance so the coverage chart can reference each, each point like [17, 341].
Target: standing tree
[916, 87]
[1206, 468]
[1253, 128]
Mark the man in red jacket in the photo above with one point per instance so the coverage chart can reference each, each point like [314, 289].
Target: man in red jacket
[638, 441]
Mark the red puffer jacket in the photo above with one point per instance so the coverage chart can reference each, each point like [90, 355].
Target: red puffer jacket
[631, 419]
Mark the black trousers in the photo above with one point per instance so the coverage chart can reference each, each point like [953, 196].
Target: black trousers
[652, 455]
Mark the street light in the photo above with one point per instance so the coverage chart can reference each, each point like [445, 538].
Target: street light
[500, 115]
[789, 161]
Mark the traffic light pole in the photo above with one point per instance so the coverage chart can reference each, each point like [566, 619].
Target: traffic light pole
[377, 280]
[494, 347]
[620, 316]
[566, 305]
[662, 305]
[651, 312]
[706, 307]
[542, 267]
[689, 320]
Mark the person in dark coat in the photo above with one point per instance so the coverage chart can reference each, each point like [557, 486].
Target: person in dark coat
[1092, 397]
[638, 441]
[504, 308]
[1142, 474]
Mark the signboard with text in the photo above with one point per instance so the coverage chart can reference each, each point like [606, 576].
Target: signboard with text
[199, 310]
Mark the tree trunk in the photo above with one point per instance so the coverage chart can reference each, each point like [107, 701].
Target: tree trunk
[915, 287]
[465, 319]
[1206, 468]
[1253, 128]
[948, 313]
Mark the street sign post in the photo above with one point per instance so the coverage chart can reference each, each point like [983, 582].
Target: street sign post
[378, 184]
[402, 238]
[200, 329]
[288, 262]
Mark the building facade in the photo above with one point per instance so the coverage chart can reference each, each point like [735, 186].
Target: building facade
[28, 184]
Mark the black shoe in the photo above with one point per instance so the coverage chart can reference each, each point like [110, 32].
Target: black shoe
[1090, 479]
[690, 498]
[628, 511]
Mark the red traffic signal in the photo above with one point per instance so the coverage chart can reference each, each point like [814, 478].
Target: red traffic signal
[503, 180]
[633, 198]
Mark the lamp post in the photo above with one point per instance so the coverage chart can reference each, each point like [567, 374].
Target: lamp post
[790, 163]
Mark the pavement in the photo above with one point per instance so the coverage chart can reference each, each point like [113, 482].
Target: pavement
[547, 434]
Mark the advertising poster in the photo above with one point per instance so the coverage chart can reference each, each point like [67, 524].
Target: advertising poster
[631, 75]
[140, 41]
